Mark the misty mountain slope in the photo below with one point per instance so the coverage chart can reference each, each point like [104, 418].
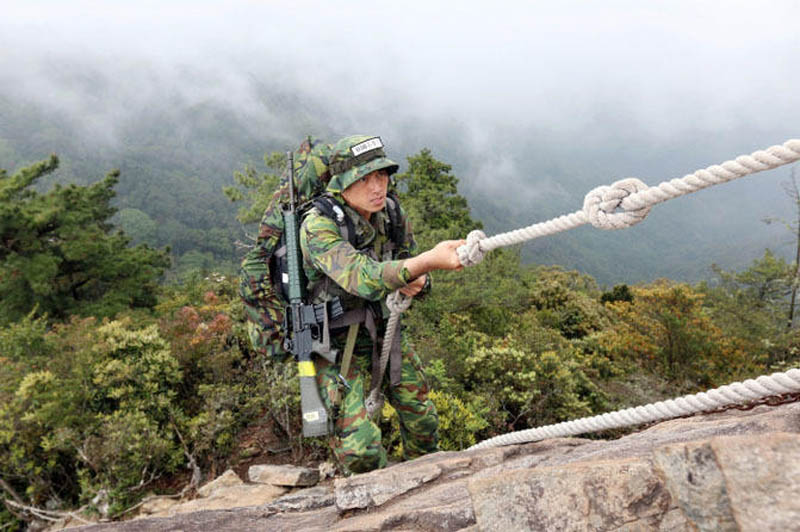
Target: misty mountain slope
[176, 152]
[679, 239]
[532, 111]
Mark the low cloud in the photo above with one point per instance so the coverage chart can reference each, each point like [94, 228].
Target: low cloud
[527, 100]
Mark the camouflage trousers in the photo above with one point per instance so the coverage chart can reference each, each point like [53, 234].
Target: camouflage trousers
[356, 442]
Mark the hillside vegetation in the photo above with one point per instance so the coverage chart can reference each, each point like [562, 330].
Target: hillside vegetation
[114, 386]
[175, 155]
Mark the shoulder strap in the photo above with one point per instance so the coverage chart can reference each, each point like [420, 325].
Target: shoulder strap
[396, 227]
[330, 207]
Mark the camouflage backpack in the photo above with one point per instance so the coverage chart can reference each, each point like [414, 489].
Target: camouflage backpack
[263, 269]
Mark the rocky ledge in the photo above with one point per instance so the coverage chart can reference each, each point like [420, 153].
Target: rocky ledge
[736, 470]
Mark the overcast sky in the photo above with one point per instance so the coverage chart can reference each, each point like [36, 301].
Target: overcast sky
[672, 65]
[502, 77]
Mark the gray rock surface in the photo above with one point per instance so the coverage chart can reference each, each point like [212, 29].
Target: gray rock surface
[736, 482]
[283, 475]
[227, 479]
[231, 497]
[736, 470]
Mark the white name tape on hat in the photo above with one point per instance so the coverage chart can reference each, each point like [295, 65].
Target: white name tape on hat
[367, 145]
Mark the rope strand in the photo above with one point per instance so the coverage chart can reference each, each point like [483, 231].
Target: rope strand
[725, 396]
[397, 303]
[628, 201]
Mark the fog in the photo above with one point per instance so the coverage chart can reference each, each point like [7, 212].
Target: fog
[668, 67]
[515, 95]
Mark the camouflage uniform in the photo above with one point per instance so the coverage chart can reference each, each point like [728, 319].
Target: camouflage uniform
[362, 276]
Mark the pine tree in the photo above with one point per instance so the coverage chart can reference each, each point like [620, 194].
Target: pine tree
[60, 254]
[429, 192]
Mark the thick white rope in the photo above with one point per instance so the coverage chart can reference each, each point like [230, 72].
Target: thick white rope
[731, 394]
[397, 303]
[627, 202]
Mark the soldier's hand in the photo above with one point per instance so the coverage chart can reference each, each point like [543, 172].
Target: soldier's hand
[414, 287]
[445, 254]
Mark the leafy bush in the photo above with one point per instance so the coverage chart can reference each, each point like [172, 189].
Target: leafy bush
[107, 408]
[531, 388]
[667, 330]
[460, 423]
[566, 301]
[620, 292]
[97, 418]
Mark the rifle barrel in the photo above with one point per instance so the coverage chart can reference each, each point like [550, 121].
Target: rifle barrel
[290, 162]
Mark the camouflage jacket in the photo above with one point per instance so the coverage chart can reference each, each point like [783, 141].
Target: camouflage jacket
[367, 272]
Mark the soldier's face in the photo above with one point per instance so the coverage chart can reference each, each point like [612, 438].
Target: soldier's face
[368, 194]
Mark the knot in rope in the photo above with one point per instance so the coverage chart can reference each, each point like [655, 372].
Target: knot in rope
[471, 253]
[397, 302]
[601, 205]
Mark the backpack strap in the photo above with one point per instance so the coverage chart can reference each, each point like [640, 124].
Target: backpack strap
[331, 208]
[396, 227]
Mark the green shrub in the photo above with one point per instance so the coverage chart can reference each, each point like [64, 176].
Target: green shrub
[529, 388]
[566, 302]
[97, 419]
[460, 423]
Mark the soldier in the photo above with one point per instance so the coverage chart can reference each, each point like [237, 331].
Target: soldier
[362, 275]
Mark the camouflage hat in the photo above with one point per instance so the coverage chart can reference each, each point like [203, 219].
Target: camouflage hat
[354, 157]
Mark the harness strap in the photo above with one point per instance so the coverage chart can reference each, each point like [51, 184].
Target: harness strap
[332, 209]
[347, 356]
[349, 345]
[366, 315]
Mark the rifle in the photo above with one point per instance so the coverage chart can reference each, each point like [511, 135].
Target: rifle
[309, 327]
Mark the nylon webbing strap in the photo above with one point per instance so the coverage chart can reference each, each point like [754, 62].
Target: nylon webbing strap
[349, 345]
[347, 356]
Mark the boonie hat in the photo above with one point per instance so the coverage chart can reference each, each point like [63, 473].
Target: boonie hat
[354, 157]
